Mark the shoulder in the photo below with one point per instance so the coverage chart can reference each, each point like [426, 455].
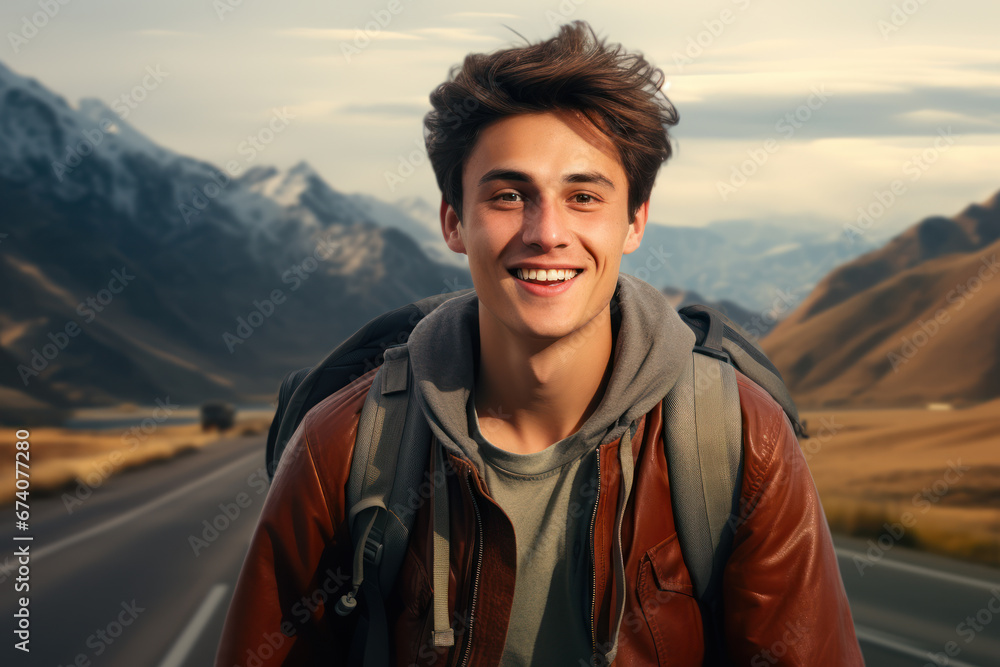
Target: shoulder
[337, 411]
[324, 441]
[767, 433]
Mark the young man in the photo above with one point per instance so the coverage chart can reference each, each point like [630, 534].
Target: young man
[542, 387]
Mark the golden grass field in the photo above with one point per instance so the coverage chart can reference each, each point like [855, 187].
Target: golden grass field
[939, 470]
[63, 459]
[871, 467]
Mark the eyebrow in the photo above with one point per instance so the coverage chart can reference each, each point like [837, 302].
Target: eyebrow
[502, 174]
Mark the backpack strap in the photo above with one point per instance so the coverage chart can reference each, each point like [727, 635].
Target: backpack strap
[443, 634]
[363, 351]
[391, 456]
[704, 450]
[719, 334]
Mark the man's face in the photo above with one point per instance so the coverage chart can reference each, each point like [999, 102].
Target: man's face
[543, 190]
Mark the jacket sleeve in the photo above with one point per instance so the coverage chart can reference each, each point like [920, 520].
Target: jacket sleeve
[784, 599]
[282, 608]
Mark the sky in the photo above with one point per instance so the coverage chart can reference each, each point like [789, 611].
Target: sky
[803, 111]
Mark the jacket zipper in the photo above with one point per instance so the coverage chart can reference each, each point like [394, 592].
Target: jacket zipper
[479, 567]
[593, 558]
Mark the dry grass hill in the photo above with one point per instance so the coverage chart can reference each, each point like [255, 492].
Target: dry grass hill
[915, 322]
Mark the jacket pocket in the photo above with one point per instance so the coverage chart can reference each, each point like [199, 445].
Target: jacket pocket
[666, 595]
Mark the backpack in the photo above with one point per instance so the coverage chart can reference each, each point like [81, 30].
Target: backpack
[391, 459]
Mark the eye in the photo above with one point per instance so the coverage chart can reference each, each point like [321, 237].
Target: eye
[584, 198]
[509, 198]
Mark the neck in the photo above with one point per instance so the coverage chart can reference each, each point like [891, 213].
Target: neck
[531, 393]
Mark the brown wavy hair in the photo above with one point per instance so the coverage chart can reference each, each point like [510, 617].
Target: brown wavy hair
[619, 92]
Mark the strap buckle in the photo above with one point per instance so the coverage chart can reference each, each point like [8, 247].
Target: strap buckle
[373, 547]
[721, 355]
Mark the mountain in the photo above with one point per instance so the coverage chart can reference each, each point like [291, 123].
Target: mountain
[420, 210]
[761, 265]
[402, 216]
[131, 272]
[974, 228]
[914, 322]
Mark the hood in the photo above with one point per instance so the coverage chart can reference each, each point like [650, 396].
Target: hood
[652, 346]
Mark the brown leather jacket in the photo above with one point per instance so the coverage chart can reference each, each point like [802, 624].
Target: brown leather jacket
[783, 596]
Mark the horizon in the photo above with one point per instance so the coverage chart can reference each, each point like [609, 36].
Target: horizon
[874, 81]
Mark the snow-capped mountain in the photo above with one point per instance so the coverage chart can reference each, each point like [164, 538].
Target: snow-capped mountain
[175, 276]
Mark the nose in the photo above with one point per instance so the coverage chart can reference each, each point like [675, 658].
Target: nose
[546, 226]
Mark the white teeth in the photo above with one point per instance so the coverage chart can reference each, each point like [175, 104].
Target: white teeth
[546, 276]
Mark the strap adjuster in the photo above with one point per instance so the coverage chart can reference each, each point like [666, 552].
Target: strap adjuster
[721, 355]
[373, 548]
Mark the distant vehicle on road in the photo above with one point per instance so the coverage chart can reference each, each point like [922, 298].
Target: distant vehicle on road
[218, 415]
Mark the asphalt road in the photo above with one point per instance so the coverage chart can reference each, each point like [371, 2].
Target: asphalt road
[118, 582]
[912, 608]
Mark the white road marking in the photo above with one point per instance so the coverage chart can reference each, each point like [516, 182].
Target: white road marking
[186, 641]
[93, 531]
[893, 643]
[988, 586]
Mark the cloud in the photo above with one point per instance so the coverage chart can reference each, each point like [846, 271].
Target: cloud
[487, 15]
[345, 34]
[167, 33]
[420, 34]
[917, 111]
[745, 91]
[456, 35]
[394, 109]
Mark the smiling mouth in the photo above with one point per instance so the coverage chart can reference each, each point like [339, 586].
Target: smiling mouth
[543, 277]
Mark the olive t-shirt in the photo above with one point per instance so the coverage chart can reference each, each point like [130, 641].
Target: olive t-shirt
[549, 497]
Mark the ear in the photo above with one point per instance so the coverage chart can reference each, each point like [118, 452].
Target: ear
[636, 229]
[451, 228]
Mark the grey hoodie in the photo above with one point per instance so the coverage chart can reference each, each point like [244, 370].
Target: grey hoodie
[652, 345]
